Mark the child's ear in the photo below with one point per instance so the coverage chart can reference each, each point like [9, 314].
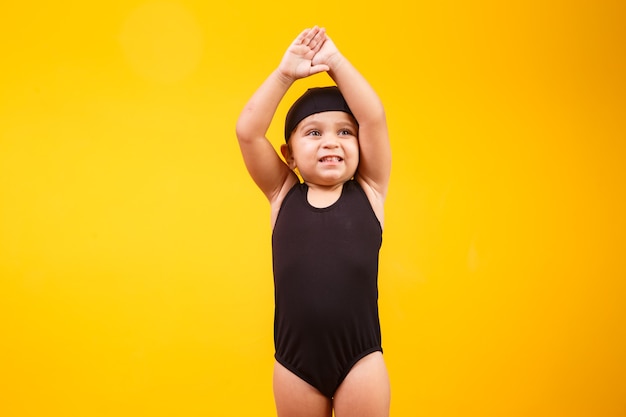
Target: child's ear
[284, 149]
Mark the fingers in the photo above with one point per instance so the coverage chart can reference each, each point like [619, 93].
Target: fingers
[298, 60]
[315, 69]
[312, 38]
[318, 40]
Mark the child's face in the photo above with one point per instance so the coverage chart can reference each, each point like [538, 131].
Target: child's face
[325, 148]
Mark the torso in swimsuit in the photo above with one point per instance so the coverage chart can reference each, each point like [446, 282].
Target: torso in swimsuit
[325, 264]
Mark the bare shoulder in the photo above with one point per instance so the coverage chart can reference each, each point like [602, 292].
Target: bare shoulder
[375, 197]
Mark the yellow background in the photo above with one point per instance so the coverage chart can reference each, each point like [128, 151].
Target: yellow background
[135, 264]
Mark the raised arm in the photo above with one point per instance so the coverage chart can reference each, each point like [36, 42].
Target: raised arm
[266, 168]
[375, 151]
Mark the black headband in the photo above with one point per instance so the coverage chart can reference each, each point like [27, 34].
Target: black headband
[314, 100]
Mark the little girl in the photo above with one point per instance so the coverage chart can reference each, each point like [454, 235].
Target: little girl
[327, 231]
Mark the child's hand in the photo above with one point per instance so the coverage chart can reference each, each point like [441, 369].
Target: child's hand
[298, 60]
[328, 54]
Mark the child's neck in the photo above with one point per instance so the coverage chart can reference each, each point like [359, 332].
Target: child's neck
[323, 196]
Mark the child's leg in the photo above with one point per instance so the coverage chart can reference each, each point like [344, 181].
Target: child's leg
[296, 398]
[365, 392]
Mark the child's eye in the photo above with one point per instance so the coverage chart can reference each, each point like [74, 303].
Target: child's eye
[313, 133]
[345, 132]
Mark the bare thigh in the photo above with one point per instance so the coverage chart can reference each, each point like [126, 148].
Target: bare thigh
[365, 392]
[296, 398]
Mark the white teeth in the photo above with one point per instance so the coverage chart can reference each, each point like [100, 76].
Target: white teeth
[330, 159]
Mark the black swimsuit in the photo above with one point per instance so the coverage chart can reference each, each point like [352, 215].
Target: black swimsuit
[326, 291]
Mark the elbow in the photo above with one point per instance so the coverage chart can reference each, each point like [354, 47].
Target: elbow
[248, 127]
[374, 117]
[243, 131]
[240, 132]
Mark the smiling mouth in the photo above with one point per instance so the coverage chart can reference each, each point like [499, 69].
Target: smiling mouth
[331, 159]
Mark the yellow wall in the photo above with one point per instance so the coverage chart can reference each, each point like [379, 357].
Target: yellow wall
[135, 269]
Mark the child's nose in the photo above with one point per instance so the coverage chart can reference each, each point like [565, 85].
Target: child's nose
[331, 141]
